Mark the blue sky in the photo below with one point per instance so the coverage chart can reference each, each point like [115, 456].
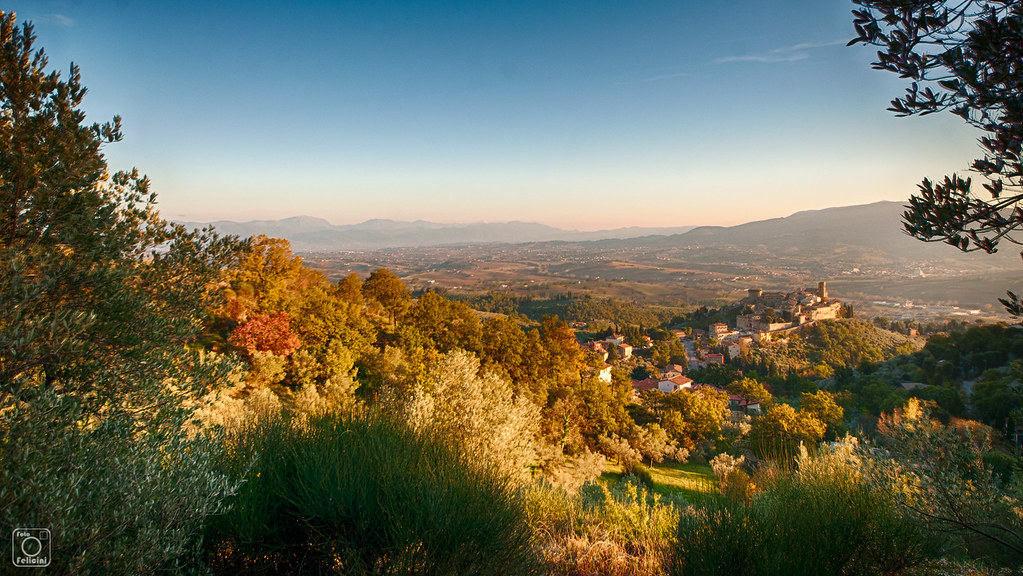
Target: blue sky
[580, 114]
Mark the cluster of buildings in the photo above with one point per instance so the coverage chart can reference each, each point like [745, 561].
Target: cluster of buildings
[763, 313]
[603, 349]
[671, 379]
[773, 311]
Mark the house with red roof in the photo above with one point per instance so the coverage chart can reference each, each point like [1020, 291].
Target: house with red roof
[674, 384]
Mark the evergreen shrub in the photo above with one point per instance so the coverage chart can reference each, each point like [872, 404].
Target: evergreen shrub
[820, 519]
[365, 495]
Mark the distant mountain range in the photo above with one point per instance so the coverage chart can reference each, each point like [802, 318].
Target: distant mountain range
[850, 233]
[309, 234]
[874, 226]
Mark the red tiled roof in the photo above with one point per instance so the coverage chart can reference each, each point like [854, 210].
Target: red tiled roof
[680, 380]
[648, 384]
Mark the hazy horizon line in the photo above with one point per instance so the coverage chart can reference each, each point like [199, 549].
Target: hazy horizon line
[193, 220]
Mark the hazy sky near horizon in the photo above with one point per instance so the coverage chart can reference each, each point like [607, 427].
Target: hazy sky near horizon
[578, 114]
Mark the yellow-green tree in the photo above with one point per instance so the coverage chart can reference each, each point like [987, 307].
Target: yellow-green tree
[444, 324]
[322, 313]
[501, 347]
[605, 405]
[479, 412]
[268, 267]
[750, 389]
[99, 300]
[779, 431]
[349, 289]
[389, 292]
[822, 405]
[692, 416]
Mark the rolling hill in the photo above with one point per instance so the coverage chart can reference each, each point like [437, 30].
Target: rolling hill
[309, 234]
[831, 240]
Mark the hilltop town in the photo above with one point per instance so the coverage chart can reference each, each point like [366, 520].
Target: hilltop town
[763, 315]
[767, 312]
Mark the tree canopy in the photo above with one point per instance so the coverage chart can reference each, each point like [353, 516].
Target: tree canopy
[965, 58]
[100, 293]
[100, 299]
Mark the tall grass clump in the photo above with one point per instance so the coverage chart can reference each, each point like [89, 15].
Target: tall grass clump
[624, 529]
[821, 518]
[365, 495]
[719, 537]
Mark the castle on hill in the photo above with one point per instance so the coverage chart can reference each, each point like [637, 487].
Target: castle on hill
[772, 311]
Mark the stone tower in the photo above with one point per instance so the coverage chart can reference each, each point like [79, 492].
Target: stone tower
[822, 291]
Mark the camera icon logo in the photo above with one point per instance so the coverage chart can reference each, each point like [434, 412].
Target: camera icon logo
[30, 547]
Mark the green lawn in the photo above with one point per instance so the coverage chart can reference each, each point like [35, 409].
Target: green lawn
[694, 481]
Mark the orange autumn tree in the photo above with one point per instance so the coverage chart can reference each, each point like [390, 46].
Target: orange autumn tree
[266, 333]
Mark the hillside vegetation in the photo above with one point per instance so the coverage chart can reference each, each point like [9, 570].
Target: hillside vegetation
[174, 401]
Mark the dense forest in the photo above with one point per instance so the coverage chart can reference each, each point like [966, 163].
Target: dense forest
[599, 312]
[177, 401]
